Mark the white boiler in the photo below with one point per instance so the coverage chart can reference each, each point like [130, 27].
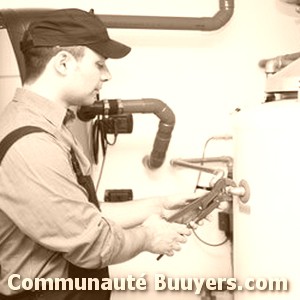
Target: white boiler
[266, 227]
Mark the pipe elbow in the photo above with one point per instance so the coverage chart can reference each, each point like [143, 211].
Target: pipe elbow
[220, 18]
[149, 105]
[162, 111]
[163, 135]
[215, 23]
[275, 64]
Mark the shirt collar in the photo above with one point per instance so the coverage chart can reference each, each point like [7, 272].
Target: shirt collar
[52, 111]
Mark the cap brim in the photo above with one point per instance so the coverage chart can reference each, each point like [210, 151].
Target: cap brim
[110, 49]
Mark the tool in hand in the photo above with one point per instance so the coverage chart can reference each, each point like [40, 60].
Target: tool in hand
[202, 206]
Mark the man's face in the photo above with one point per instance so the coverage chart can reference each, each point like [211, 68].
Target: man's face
[86, 79]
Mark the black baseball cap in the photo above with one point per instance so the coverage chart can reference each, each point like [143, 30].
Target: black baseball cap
[72, 27]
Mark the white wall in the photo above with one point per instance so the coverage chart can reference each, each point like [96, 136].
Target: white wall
[203, 77]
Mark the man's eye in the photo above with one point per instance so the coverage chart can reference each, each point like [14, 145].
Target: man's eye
[100, 65]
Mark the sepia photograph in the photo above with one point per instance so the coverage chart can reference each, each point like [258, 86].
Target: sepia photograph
[149, 150]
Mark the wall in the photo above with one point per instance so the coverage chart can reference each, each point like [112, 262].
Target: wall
[203, 77]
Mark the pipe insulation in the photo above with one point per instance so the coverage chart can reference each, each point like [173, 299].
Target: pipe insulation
[147, 105]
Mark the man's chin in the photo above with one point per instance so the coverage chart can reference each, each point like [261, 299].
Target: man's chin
[89, 101]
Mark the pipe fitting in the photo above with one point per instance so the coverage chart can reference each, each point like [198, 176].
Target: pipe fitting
[147, 105]
[242, 191]
[220, 18]
[275, 64]
[236, 191]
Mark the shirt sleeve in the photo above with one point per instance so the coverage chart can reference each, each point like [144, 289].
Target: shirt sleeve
[42, 197]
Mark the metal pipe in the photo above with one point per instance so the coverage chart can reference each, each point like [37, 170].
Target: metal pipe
[224, 159]
[147, 105]
[275, 64]
[226, 8]
[242, 191]
[16, 21]
[236, 191]
[219, 173]
[228, 160]
[191, 165]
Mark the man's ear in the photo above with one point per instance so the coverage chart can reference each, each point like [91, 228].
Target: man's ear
[64, 62]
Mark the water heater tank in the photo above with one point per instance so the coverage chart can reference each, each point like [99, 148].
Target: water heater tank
[266, 228]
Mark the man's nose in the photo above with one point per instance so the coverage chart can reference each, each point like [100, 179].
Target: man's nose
[105, 75]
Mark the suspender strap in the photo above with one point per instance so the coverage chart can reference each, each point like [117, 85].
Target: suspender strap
[85, 181]
[75, 271]
[14, 136]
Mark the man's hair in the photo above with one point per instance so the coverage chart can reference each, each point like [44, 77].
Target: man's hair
[37, 58]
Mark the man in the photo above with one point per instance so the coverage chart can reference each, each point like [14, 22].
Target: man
[48, 226]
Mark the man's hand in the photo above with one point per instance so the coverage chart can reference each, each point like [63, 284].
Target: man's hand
[171, 204]
[164, 237]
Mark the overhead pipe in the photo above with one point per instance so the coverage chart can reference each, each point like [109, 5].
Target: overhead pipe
[147, 105]
[17, 20]
[226, 8]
